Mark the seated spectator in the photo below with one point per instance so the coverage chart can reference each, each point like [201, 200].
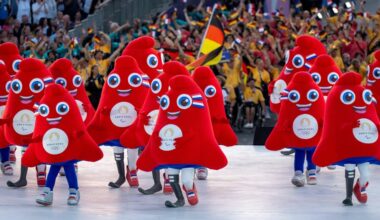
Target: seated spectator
[253, 97]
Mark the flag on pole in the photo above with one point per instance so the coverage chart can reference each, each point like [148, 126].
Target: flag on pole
[211, 49]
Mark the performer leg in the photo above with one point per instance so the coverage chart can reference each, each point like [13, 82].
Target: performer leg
[360, 189]
[187, 175]
[350, 178]
[299, 162]
[119, 158]
[22, 181]
[173, 175]
[131, 176]
[6, 167]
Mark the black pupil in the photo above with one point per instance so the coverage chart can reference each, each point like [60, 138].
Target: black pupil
[164, 102]
[368, 96]
[77, 81]
[37, 86]
[334, 78]
[313, 95]
[136, 80]
[113, 80]
[184, 101]
[17, 65]
[210, 91]
[155, 86]
[61, 82]
[377, 72]
[293, 96]
[316, 78]
[43, 110]
[62, 108]
[15, 86]
[348, 96]
[298, 61]
[153, 61]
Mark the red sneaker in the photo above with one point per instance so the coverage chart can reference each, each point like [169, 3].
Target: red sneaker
[192, 195]
[132, 179]
[360, 192]
[167, 188]
[12, 155]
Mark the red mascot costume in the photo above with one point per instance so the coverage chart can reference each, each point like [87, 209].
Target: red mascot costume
[10, 56]
[325, 73]
[122, 97]
[211, 88]
[299, 125]
[373, 80]
[149, 60]
[26, 89]
[350, 134]
[60, 139]
[183, 139]
[300, 58]
[65, 75]
[5, 85]
[139, 132]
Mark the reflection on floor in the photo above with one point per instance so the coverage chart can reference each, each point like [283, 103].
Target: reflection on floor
[255, 185]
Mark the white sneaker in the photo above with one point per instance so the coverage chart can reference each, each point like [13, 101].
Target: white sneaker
[7, 168]
[46, 197]
[331, 167]
[246, 125]
[311, 177]
[74, 197]
[202, 173]
[298, 179]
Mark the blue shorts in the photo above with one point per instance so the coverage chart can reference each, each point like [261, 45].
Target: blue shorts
[357, 160]
[177, 166]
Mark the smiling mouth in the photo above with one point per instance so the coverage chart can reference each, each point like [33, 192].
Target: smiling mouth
[73, 92]
[53, 121]
[26, 99]
[303, 107]
[360, 109]
[173, 115]
[124, 92]
[3, 98]
[370, 82]
[325, 89]
[288, 70]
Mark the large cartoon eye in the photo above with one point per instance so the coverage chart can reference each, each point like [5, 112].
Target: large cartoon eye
[8, 86]
[368, 70]
[298, 61]
[294, 96]
[156, 86]
[61, 81]
[367, 96]
[316, 77]
[36, 85]
[16, 65]
[77, 80]
[347, 97]
[164, 102]
[62, 108]
[332, 78]
[210, 91]
[152, 61]
[135, 80]
[376, 73]
[16, 86]
[287, 56]
[184, 101]
[43, 110]
[113, 80]
[312, 95]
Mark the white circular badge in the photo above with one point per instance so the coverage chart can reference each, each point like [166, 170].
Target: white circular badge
[279, 87]
[168, 134]
[83, 113]
[305, 126]
[123, 114]
[367, 131]
[23, 122]
[55, 141]
[152, 122]
[2, 109]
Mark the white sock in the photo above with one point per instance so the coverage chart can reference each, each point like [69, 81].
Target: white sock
[364, 173]
[187, 177]
[132, 158]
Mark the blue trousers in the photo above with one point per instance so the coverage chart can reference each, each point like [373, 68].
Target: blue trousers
[299, 159]
[71, 176]
[4, 153]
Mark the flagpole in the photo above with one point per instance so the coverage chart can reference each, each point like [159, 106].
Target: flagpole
[208, 25]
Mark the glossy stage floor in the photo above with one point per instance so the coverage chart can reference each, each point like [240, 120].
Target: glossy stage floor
[255, 185]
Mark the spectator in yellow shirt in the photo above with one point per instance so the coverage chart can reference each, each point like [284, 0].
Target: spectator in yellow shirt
[252, 98]
[359, 68]
[259, 74]
[337, 58]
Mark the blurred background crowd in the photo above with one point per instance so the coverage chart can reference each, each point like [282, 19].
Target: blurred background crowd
[256, 39]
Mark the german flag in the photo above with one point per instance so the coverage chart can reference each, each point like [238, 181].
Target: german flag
[97, 39]
[211, 49]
